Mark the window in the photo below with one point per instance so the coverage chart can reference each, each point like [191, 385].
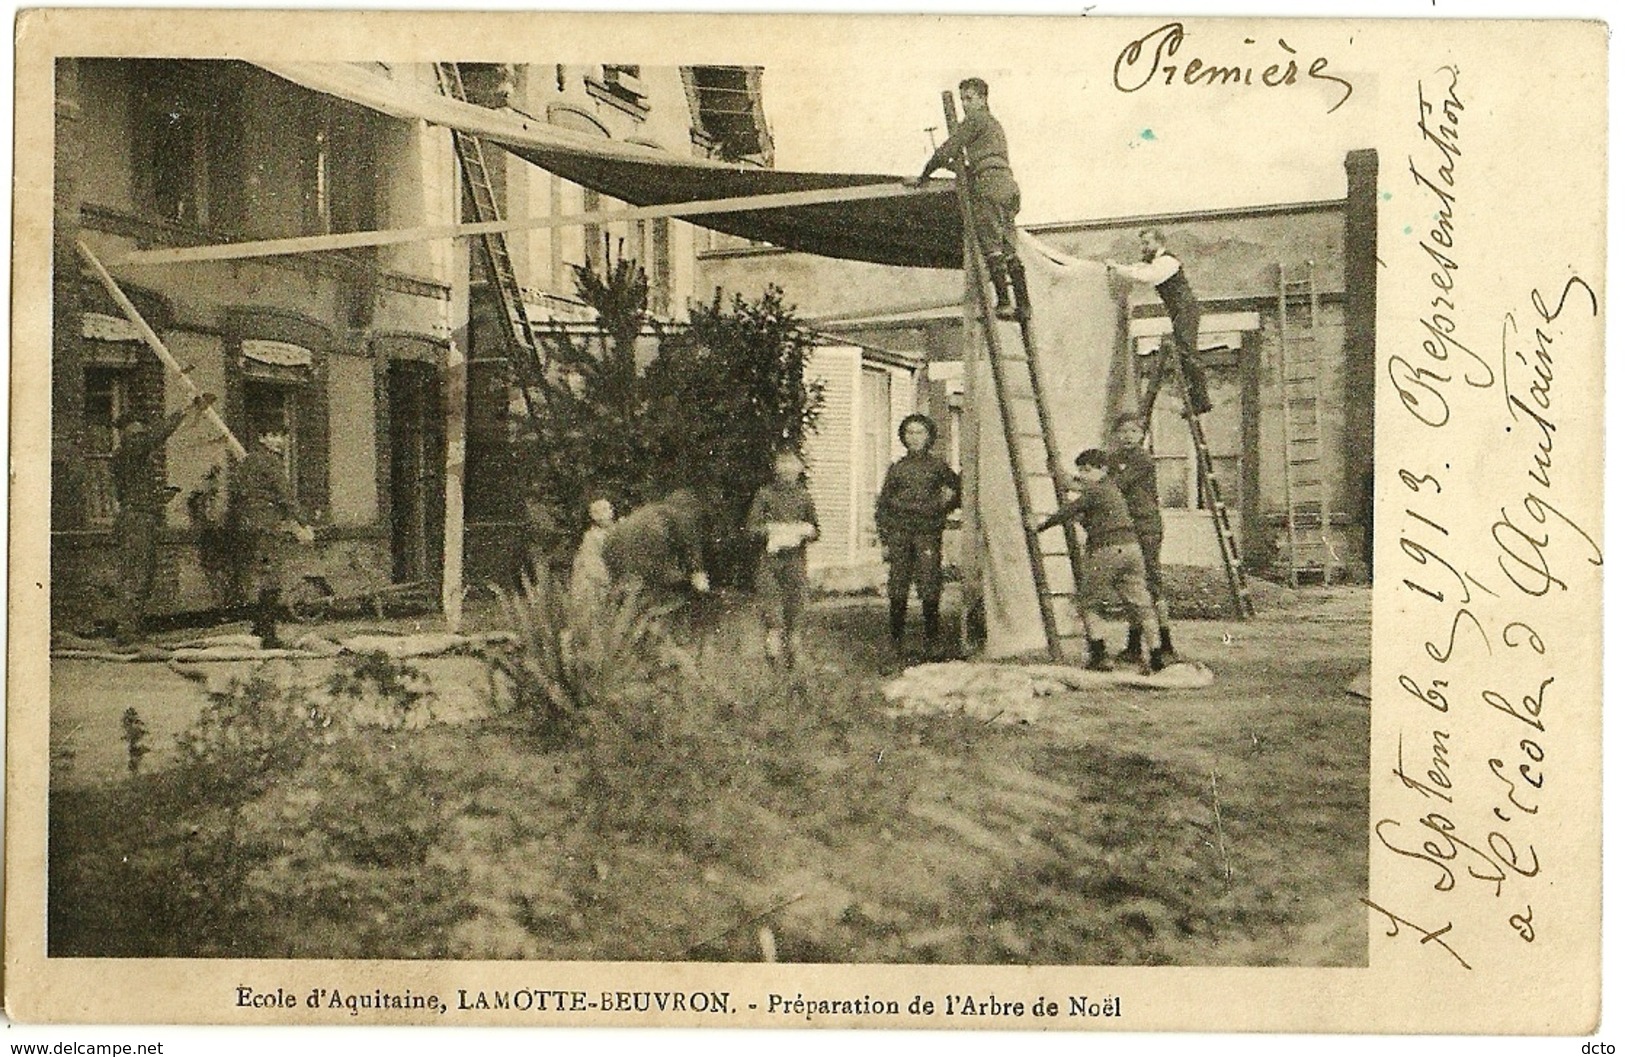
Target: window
[596, 238]
[660, 284]
[273, 407]
[338, 175]
[875, 451]
[725, 105]
[107, 396]
[172, 144]
[625, 81]
[621, 87]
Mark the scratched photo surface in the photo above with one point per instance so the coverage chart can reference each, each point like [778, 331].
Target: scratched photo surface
[1023, 534]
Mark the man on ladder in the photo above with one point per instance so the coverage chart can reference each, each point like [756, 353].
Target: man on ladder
[1161, 269]
[995, 197]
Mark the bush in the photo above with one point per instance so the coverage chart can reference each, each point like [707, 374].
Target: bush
[398, 691]
[722, 394]
[726, 393]
[288, 829]
[349, 865]
[558, 669]
[250, 733]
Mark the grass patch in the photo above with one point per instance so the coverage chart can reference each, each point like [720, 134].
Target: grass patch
[654, 794]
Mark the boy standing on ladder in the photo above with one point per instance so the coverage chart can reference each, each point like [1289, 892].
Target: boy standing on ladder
[1117, 567]
[1161, 269]
[995, 197]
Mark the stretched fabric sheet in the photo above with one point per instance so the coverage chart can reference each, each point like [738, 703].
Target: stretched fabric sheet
[918, 230]
[1080, 328]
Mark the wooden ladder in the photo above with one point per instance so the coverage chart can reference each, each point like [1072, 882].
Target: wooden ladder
[524, 353]
[1308, 499]
[1024, 431]
[1210, 494]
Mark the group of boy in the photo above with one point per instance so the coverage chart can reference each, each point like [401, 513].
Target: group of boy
[261, 507]
[1116, 501]
[1116, 506]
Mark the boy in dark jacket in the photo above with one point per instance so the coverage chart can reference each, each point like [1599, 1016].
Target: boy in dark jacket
[265, 511]
[782, 516]
[910, 515]
[995, 198]
[1116, 567]
[1135, 475]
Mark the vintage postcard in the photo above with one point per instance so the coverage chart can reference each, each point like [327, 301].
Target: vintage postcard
[1020, 523]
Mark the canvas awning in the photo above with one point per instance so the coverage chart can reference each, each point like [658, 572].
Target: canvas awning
[918, 230]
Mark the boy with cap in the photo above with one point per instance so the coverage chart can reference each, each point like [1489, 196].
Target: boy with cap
[911, 513]
[1135, 476]
[265, 510]
[589, 576]
[1116, 566]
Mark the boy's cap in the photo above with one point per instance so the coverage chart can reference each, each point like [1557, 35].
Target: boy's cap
[1128, 416]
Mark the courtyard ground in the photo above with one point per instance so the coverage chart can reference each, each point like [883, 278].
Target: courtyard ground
[738, 814]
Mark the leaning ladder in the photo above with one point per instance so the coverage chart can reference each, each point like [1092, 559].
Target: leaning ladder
[1021, 431]
[525, 354]
[1308, 500]
[1211, 494]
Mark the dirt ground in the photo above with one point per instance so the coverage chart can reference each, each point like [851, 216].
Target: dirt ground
[1124, 826]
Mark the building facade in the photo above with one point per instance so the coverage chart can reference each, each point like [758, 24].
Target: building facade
[343, 351]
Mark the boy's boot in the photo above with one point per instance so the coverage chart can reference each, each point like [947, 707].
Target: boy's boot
[265, 614]
[1002, 309]
[1196, 385]
[932, 628]
[1159, 660]
[1097, 656]
[899, 620]
[1167, 646]
[1131, 652]
[1018, 284]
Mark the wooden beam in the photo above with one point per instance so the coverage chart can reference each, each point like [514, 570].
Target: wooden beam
[451, 576]
[156, 344]
[234, 251]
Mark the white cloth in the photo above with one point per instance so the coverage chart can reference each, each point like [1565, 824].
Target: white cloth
[1083, 357]
[787, 535]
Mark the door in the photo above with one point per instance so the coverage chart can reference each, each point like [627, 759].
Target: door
[874, 452]
[417, 466]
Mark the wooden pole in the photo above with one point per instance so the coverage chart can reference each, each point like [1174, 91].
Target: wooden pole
[233, 251]
[451, 580]
[156, 344]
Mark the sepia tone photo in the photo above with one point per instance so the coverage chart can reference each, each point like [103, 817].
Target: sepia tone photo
[772, 513]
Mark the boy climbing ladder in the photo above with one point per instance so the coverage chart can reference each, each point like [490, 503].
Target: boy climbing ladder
[995, 197]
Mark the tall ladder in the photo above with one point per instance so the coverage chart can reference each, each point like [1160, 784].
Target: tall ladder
[1210, 492]
[1022, 431]
[1308, 499]
[524, 352]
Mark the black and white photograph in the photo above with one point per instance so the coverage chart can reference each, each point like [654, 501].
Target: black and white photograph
[798, 511]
